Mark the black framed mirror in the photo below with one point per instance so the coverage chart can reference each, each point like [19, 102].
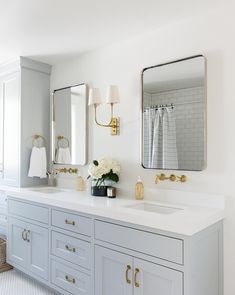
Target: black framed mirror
[174, 115]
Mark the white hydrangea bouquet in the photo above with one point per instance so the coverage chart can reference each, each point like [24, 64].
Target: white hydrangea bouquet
[104, 170]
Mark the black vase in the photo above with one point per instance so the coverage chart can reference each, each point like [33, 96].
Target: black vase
[99, 191]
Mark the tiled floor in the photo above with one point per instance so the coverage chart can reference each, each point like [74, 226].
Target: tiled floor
[15, 283]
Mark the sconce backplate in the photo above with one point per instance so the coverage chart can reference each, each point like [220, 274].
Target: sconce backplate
[115, 129]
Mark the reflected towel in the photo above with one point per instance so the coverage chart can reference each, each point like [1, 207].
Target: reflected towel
[38, 162]
[63, 156]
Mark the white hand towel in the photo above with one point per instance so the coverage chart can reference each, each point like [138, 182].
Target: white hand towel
[66, 156]
[59, 155]
[63, 156]
[44, 162]
[38, 162]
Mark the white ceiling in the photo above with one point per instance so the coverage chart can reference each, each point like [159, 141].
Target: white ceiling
[51, 30]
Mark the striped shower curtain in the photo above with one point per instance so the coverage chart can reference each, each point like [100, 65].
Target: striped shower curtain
[160, 149]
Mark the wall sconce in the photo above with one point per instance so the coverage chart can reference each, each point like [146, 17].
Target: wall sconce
[111, 98]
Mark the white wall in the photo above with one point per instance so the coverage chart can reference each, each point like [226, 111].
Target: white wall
[121, 64]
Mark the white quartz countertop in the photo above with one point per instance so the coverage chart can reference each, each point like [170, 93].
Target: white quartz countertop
[187, 222]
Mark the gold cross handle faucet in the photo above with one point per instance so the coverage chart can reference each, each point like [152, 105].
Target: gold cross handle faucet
[172, 177]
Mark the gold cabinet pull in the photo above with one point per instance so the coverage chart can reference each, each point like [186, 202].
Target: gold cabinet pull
[27, 239]
[135, 278]
[23, 234]
[70, 280]
[128, 268]
[70, 249]
[69, 222]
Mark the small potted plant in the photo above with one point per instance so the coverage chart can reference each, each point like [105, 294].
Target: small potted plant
[103, 173]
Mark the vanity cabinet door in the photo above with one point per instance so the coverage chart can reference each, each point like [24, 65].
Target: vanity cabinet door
[38, 254]
[113, 272]
[28, 247]
[150, 279]
[17, 244]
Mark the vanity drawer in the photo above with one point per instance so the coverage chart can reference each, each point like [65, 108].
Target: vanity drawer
[29, 211]
[3, 211]
[163, 247]
[71, 249]
[3, 220]
[3, 199]
[70, 280]
[3, 230]
[72, 222]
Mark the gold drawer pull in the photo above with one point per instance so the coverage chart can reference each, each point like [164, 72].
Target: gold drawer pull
[69, 222]
[135, 278]
[70, 249]
[127, 271]
[70, 280]
[27, 238]
[23, 234]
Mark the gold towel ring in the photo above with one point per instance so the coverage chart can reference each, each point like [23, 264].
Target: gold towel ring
[61, 138]
[36, 141]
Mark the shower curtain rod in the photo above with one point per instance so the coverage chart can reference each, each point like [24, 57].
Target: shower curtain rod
[171, 105]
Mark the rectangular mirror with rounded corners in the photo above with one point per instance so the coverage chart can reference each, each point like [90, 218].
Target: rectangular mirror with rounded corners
[174, 115]
[69, 125]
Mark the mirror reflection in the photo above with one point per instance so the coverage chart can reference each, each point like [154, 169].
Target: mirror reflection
[69, 125]
[173, 115]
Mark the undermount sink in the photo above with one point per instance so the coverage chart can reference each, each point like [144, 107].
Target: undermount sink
[150, 207]
[47, 190]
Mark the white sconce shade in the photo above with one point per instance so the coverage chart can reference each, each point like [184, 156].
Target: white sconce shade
[94, 96]
[112, 94]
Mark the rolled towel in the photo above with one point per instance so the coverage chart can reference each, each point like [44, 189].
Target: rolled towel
[38, 162]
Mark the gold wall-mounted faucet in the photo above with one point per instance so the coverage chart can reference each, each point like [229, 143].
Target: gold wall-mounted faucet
[67, 170]
[172, 177]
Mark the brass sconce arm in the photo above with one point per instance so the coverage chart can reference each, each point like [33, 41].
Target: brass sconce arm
[112, 98]
[110, 124]
[113, 123]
